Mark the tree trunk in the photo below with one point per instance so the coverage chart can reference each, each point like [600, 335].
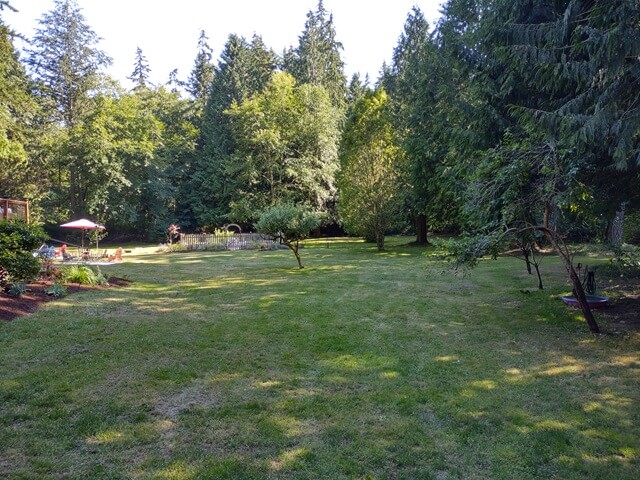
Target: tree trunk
[380, 241]
[575, 280]
[616, 227]
[537, 267]
[294, 249]
[421, 229]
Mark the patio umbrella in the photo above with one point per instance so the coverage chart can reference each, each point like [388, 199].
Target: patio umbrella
[84, 225]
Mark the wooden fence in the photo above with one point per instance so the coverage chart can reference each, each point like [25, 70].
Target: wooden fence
[237, 241]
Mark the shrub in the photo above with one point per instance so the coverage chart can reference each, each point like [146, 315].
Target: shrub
[17, 240]
[57, 290]
[17, 289]
[22, 266]
[83, 275]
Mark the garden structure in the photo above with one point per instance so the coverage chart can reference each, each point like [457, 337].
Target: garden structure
[14, 209]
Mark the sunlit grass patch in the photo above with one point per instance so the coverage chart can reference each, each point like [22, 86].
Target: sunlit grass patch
[362, 365]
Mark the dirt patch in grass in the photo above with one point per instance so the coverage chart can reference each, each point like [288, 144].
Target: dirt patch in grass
[12, 307]
[623, 311]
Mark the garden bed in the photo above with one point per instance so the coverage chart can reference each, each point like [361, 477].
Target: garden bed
[12, 307]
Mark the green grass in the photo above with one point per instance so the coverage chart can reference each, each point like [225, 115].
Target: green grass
[362, 365]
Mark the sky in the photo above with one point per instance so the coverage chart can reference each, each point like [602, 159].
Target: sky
[167, 31]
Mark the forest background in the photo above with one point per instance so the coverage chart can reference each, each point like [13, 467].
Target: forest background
[503, 114]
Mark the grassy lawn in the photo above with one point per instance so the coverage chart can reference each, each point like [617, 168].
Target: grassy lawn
[361, 366]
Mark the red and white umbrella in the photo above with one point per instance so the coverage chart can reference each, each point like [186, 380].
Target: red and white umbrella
[84, 224]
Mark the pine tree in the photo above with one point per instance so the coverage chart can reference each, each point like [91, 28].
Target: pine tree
[65, 60]
[141, 71]
[66, 65]
[18, 176]
[201, 75]
[243, 69]
[316, 60]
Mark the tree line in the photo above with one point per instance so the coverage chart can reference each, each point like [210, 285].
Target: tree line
[505, 114]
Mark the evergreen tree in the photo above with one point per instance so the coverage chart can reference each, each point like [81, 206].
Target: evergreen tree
[66, 64]
[243, 69]
[65, 61]
[141, 71]
[316, 60]
[19, 176]
[201, 75]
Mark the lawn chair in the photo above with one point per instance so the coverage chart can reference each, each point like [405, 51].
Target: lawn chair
[117, 256]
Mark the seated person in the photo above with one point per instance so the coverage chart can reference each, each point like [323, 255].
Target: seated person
[63, 252]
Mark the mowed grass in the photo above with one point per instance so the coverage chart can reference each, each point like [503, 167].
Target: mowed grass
[361, 366]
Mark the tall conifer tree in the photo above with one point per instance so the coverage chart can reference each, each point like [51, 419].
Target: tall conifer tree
[316, 60]
[141, 71]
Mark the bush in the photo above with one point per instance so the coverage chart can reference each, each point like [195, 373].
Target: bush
[83, 275]
[57, 290]
[22, 266]
[17, 240]
[631, 230]
[17, 289]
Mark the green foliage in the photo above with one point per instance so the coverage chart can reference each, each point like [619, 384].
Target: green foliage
[20, 175]
[631, 231]
[316, 60]
[17, 240]
[17, 289]
[370, 177]
[141, 71]
[286, 138]
[625, 262]
[463, 253]
[66, 61]
[244, 68]
[57, 290]
[83, 275]
[289, 224]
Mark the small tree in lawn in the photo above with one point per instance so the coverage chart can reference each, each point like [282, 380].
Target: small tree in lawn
[288, 224]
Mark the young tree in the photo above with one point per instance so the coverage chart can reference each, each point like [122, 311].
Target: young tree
[369, 181]
[289, 224]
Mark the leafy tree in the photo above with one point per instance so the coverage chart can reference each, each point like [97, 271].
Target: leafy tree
[286, 148]
[289, 224]
[369, 182]
[316, 60]
[141, 71]
[243, 69]
[66, 65]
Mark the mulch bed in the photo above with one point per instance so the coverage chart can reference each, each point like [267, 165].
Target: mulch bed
[12, 307]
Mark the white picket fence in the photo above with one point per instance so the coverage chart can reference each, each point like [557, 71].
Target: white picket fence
[237, 241]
